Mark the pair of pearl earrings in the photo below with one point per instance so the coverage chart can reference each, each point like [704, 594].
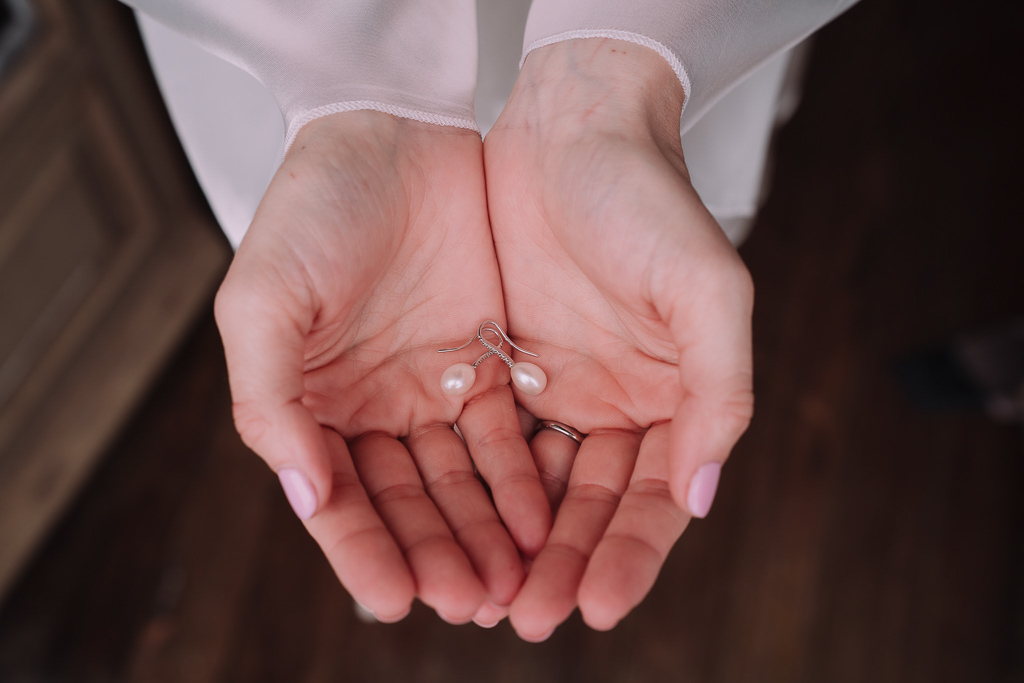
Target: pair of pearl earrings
[459, 378]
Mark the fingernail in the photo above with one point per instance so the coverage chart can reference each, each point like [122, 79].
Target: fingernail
[364, 614]
[452, 620]
[490, 615]
[393, 618]
[539, 639]
[702, 489]
[299, 491]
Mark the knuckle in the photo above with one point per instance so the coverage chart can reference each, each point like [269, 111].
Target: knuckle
[596, 493]
[250, 423]
[738, 412]
[550, 478]
[500, 437]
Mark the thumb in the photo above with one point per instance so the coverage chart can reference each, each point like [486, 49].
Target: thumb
[712, 330]
[264, 330]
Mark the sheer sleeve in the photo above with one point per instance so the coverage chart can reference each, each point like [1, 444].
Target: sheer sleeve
[710, 44]
[412, 58]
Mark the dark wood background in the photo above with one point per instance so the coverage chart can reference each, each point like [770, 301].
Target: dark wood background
[854, 537]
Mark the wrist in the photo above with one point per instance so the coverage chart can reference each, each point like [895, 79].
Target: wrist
[599, 85]
[370, 134]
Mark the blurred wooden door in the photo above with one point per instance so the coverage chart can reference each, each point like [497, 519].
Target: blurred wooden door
[107, 253]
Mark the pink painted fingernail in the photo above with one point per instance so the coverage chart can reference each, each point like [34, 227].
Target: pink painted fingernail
[702, 489]
[299, 491]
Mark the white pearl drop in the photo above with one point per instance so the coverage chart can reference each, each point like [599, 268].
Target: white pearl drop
[458, 379]
[530, 379]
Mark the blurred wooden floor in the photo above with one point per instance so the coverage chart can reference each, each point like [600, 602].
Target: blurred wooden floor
[854, 539]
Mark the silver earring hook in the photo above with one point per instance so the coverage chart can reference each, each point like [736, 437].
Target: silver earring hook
[490, 325]
[495, 326]
[457, 348]
[491, 348]
[477, 336]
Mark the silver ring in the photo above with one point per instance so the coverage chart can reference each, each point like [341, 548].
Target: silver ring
[562, 429]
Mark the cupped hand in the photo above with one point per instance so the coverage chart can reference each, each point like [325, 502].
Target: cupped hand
[371, 251]
[639, 309]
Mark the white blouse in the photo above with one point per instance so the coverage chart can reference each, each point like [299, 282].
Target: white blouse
[418, 59]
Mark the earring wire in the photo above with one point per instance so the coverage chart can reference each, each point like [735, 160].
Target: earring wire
[494, 328]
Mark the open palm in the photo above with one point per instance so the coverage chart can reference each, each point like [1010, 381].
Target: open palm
[639, 309]
[369, 252]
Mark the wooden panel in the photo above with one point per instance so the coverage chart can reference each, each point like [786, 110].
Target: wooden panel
[106, 252]
[52, 247]
[67, 248]
[38, 64]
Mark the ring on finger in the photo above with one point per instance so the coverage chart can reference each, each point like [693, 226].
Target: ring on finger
[561, 428]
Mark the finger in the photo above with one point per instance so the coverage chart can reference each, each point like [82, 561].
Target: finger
[629, 556]
[527, 422]
[359, 547]
[599, 478]
[712, 330]
[264, 337]
[553, 453]
[447, 474]
[444, 576]
[491, 428]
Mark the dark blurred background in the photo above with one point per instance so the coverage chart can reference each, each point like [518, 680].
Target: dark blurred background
[861, 533]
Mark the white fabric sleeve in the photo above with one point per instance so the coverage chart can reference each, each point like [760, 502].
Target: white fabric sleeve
[710, 44]
[415, 59]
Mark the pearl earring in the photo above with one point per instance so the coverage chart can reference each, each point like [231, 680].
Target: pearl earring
[459, 378]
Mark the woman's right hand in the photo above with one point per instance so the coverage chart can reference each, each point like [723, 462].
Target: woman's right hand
[371, 251]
